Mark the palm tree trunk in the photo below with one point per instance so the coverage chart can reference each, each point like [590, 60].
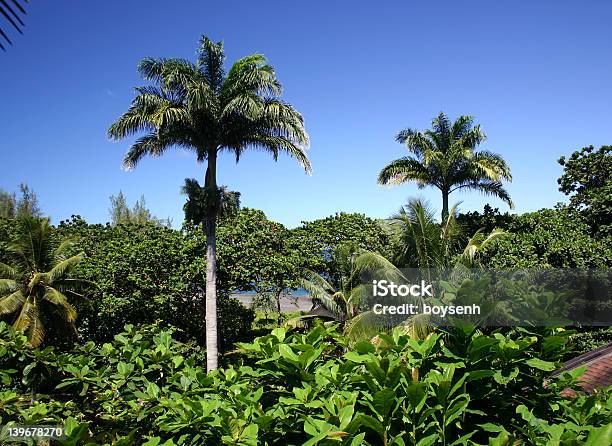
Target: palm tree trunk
[445, 194]
[211, 263]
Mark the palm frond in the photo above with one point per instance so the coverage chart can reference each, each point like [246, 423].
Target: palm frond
[65, 246]
[403, 170]
[417, 326]
[365, 326]
[8, 286]
[153, 145]
[461, 126]
[35, 330]
[12, 15]
[60, 270]
[74, 287]
[321, 296]
[7, 272]
[477, 243]
[61, 302]
[11, 303]
[375, 263]
[28, 321]
[441, 125]
[251, 75]
[211, 58]
[489, 187]
[492, 165]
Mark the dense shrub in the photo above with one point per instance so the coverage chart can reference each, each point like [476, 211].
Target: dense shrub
[456, 387]
[148, 273]
[317, 240]
[255, 254]
[487, 220]
[549, 238]
[589, 339]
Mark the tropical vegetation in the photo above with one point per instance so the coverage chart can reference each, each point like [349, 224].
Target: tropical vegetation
[204, 109]
[311, 388]
[447, 157]
[101, 325]
[37, 286]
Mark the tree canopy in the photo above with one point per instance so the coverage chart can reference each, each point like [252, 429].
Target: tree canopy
[587, 179]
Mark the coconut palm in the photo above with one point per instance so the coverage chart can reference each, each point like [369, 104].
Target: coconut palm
[35, 289]
[202, 108]
[437, 250]
[421, 242]
[344, 295]
[447, 157]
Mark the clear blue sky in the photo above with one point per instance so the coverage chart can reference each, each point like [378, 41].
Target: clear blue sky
[537, 76]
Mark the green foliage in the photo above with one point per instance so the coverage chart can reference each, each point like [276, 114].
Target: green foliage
[139, 214]
[344, 295]
[255, 254]
[198, 202]
[147, 273]
[418, 241]
[587, 178]
[549, 238]
[447, 157]
[318, 239]
[38, 283]
[25, 206]
[589, 339]
[488, 220]
[144, 388]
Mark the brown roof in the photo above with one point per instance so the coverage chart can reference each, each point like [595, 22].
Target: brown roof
[598, 365]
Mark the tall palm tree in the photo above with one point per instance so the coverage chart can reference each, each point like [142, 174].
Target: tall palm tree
[202, 108]
[447, 157]
[37, 286]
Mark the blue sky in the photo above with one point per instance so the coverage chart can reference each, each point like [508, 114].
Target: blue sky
[536, 75]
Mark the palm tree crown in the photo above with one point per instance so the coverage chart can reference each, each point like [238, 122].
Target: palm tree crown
[447, 158]
[200, 107]
[38, 284]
